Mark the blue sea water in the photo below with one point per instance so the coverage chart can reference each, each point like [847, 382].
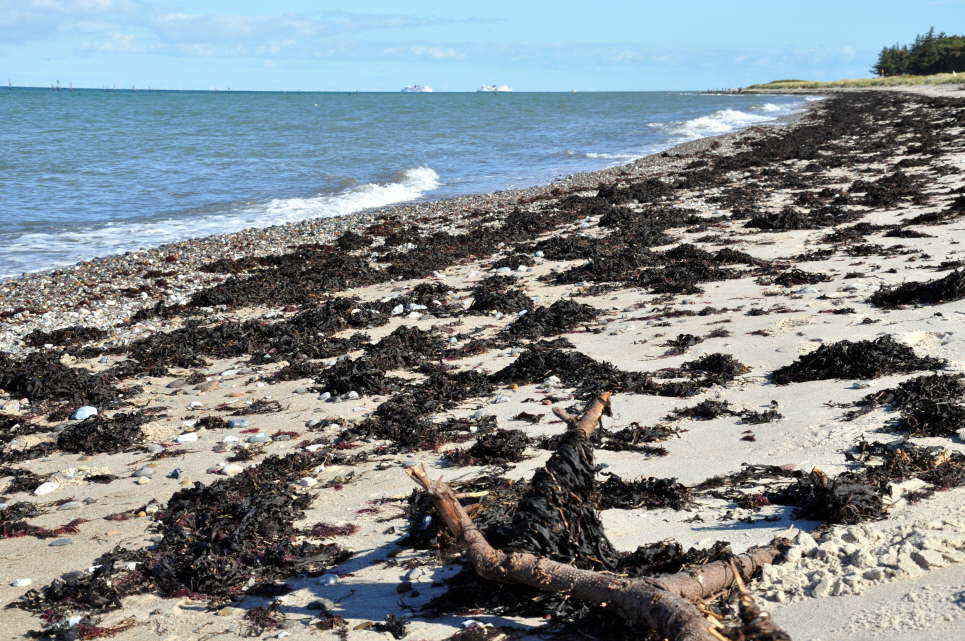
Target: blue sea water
[87, 173]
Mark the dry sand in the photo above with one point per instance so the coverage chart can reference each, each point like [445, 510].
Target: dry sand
[926, 604]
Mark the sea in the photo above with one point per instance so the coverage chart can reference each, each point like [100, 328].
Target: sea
[86, 173]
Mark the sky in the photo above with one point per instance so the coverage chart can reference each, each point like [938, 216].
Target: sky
[382, 45]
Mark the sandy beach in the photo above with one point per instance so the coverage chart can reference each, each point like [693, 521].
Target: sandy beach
[756, 302]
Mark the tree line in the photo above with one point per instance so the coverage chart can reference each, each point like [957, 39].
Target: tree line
[930, 53]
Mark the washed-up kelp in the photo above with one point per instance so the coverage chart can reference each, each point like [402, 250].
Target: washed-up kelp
[98, 434]
[513, 261]
[790, 218]
[643, 191]
[40, 377]
[888, 190]
[360, 375]
[350, 241]
[497, 293]
[681, 343]
[562, 316]
[931, 292]
[847, 498]
[859, 359]
[650, 493]
[496, 448]
[928, 405]
[796, 276]
[220, 539]
[406, 346]
[402, 421]
[67, 336]
[571, 247]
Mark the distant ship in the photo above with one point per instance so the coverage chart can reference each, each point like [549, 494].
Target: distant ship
[417, 89]
[494, 89]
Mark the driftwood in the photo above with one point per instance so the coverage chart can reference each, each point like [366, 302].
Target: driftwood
[666, 605]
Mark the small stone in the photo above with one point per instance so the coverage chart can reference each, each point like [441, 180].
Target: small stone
[300, 390]
[83, 412]
[232, 468]
[154, 448]
[351, 396]
[189, 437]
[236, 423]
[328, 579]
[307, 481]
[313, 422]
[20, 583]
[46, 488]
[502, 398]
[210, 386]
[324, 396]
[147, 470]
[822, 588]
[70, 505]
[58, 543]
[193, 405]
[314, 447]
[807, 290]
[231, 438]
[143, 480]
[260, 437]
[928, 559]
[874, 574]
[176, 383]
[176, 473]
[231, 372]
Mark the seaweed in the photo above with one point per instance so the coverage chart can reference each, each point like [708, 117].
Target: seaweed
[98, 434]
[406, 346]
[361, 375]
[66, 336]
[858, 359]
[649, 493]
[41, 376]
[562, 316]
[497, 294]
[946, 289]
[796, 276]
[495, 448]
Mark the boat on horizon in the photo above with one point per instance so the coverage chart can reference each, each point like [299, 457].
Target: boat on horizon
[494, 89]
[417, 89]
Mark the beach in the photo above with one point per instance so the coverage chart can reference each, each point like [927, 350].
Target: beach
[697, 285]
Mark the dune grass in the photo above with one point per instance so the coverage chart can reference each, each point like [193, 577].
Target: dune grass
[886, 81]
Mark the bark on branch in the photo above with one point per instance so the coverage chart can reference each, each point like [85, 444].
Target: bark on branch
[665, 604]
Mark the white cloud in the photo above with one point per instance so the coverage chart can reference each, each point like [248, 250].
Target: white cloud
[119, 42]
[436, 53]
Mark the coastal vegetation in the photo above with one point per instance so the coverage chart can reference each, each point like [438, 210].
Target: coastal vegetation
[884, 81]
[930, 53]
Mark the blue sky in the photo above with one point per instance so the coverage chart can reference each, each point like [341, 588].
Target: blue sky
[455, 46]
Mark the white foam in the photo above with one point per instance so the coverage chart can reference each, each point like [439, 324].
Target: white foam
[720, 122]
[42, 250]
[593, 154]
[771, 107]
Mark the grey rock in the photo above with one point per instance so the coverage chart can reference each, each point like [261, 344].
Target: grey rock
[58, 543]
[235, 423]
[83, 412]
[71, 505]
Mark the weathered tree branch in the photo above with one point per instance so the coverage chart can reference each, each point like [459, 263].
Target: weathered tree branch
[665, 604]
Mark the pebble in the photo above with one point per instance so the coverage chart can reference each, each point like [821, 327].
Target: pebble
[231, 438]
[59, 543]
[84, 412]
[351, 396]
[20, 583]
[176, 383]
[314, 448]
[307, 481]
[502, 398]
[231, 372]
[70, 505]
[328, 579]
[210, 386]
[807, 290]
[234, 423]
[189, 437]
[260, 437]
[398, 309]
[324, 396]
[143, 480]
[194, 405]
[232, 468]
[176, 473]
[46, 488]
[146, 471]
[313, 422]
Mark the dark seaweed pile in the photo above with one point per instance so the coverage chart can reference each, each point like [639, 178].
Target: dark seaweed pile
[98, 434]
[495, 448]
[217, 542]
[42, 378]
[497, 293]
[650, 493]
[932, 292]
[928, 405]
[859, 359]
[63, 337]
[562, 316]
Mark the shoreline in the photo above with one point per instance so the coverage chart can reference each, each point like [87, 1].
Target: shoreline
[746, 298]
[85, 284]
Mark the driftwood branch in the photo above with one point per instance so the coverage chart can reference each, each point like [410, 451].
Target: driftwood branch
[665, 604]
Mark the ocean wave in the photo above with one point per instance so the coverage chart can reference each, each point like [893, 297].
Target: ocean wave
[720, 122]
[593, 154]
[25, 252]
